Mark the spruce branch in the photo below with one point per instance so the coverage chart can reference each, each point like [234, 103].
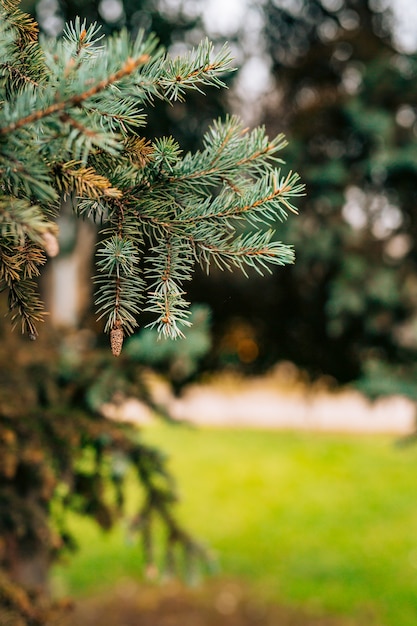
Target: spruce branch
[31, 257]
[229, 151]
[118, 302]
[70, 126]
[139, 151]
[120, 284]
[24, 178]
[10, 265]
[17, 76]
[82, 39]
[20, 262]
[72, 177]
[117, 256]
[252, 250]
[266, 200]
[171, 265]
[129, 66]
[25, 305]
[170, 79]
[160, 496]
[20, 220]
[200, 67]
[24, 23]
[120, 113]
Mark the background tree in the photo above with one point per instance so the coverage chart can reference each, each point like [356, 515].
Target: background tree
[348, 96]
[70, 126]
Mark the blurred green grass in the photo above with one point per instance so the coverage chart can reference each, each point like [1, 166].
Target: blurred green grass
[322, 521]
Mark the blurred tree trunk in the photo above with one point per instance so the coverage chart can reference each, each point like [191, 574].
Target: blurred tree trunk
[26, 567]
[67, 286]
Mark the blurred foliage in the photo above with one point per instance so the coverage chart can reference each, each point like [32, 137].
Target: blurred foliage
[382, 379]
[19, 606]
[58, 453]
[348, 102]
[345, 94]
[179, 359]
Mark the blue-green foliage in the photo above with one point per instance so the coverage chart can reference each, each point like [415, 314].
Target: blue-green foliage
[70, 125]
[181, 358]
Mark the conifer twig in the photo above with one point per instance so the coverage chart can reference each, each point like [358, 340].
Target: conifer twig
[130, 66]
[161, 211]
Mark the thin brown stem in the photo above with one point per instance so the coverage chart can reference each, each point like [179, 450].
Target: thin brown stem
[201, 70]
[64, 117]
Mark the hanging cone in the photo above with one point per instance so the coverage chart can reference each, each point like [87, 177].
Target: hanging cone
[116, 341]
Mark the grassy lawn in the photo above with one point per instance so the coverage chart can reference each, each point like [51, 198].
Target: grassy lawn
[325, 522]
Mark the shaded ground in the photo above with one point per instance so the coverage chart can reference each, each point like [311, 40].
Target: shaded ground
[227, 604]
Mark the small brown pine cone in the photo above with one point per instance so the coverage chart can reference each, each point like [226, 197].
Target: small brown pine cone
[116, 341]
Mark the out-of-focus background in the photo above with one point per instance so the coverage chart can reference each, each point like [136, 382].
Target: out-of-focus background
[338, 78]
[300, 385]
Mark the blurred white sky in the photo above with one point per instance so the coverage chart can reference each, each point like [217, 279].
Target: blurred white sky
[405, 14]
[225, 16]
